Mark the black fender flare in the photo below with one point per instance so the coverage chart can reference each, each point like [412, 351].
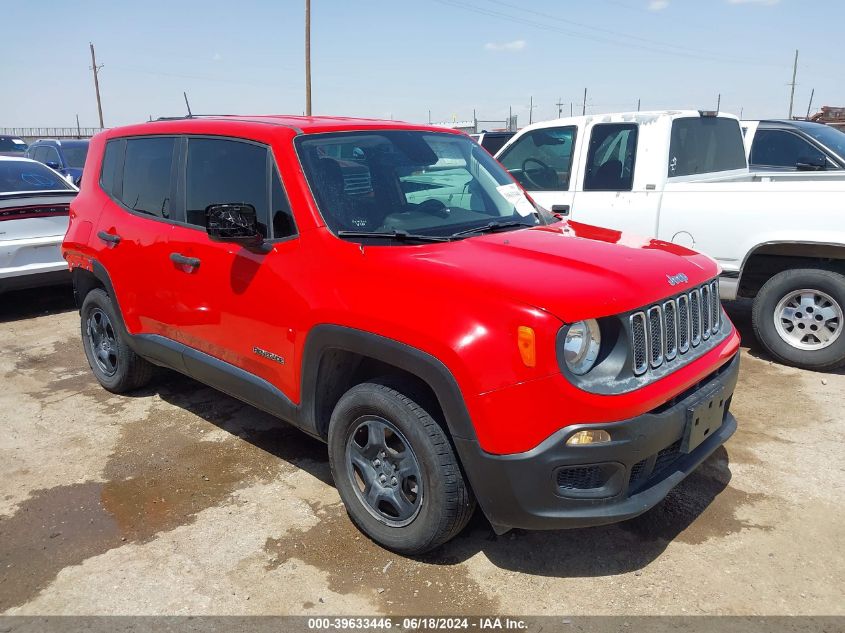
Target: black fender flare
[426, 367]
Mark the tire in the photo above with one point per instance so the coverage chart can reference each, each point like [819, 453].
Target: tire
[117, 368]
[783, 314]
[434, 504]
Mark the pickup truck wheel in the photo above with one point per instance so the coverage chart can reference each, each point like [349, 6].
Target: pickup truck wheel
[396, 470]
[117, 368]
[799, 317]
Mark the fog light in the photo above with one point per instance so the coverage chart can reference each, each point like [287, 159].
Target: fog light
[588, 437]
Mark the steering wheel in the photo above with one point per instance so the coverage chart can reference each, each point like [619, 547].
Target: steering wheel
[433, 206]
[544, 169]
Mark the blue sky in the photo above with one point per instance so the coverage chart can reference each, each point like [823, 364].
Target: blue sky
[397, 58]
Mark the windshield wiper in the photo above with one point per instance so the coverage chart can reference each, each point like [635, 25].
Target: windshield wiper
[491, 227]
[396, 234]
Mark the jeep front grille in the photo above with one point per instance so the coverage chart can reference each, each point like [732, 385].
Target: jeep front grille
[665, 332]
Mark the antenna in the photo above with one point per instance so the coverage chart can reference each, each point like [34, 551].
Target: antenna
[187, 105]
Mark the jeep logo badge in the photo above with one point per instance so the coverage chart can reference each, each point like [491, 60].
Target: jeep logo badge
[674, 280]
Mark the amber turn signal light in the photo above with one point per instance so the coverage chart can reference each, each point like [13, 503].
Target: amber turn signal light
[527, 345]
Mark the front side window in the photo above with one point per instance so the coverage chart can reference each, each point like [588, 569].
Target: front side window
[147, 169]
[780, 148]
[541, 160]
[704, 145]
[424, 183]
[611, 157]
[24, 175]
[40, 154]
[51, 155]
[221, 171]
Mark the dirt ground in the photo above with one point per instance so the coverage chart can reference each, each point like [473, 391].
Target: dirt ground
[181, 500]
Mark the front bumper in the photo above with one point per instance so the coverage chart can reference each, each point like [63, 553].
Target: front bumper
[558, 486]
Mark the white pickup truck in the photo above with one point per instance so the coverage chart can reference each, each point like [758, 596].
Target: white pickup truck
[682, 177]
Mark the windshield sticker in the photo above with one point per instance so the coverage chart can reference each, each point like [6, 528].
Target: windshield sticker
[17, 141]
[515, 196]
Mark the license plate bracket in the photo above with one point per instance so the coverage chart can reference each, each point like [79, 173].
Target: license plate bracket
[703, 419]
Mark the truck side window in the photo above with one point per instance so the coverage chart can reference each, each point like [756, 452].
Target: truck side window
[779, 148]
[221, 171]
[541, 160]
[147, 167]
[611, 157]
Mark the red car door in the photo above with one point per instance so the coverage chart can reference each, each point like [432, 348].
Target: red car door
[133, 228]
[235, 304]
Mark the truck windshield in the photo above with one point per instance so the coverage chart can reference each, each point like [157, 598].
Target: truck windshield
[419, 182]
[703, 145]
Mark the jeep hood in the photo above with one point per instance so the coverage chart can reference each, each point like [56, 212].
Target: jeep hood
[571, 270]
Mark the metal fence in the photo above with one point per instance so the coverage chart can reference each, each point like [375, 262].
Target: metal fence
[33, 133]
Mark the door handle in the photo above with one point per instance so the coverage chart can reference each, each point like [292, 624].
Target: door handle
[182, 260]
[111, 238]
[561, 209]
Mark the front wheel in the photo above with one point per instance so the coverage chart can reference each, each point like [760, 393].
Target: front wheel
[396, 470]
[799, 317]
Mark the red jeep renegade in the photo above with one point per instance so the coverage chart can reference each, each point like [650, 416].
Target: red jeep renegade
[390, 289]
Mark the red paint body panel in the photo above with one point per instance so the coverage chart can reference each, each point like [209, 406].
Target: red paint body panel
[460, 302]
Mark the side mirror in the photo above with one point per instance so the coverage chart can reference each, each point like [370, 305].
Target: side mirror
[811, 163]
[236, 223]
[53, 164]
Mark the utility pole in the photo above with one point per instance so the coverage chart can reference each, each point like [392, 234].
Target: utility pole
[307, 57]
[531, 110]
[78, 130]
[718, 102]
[638, 105]
[96, 70]
[584, 107]
[429, 117]
[559, 105]
[792, 91]
[510, 119]
[810, 105]
[571, 111]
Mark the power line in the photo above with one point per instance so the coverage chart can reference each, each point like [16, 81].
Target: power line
[462, 4]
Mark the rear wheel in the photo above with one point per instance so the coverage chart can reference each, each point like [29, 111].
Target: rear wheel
[396, 470]
[117, 368]
[799, 317]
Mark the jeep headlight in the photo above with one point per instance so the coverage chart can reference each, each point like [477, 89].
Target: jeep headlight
[581, 346]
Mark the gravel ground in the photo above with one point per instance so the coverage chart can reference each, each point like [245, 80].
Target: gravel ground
[180, 500]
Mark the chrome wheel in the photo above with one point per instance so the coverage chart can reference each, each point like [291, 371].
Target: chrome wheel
[384, 470]
[101, 341]
[808, 319]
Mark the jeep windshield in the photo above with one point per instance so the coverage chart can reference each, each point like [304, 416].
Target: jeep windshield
[416, 183]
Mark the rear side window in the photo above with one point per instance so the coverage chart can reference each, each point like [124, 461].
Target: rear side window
[611, 158]
[147, 169]
[541, 160]
[221, 171]
[110, 161]
[703, 145]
